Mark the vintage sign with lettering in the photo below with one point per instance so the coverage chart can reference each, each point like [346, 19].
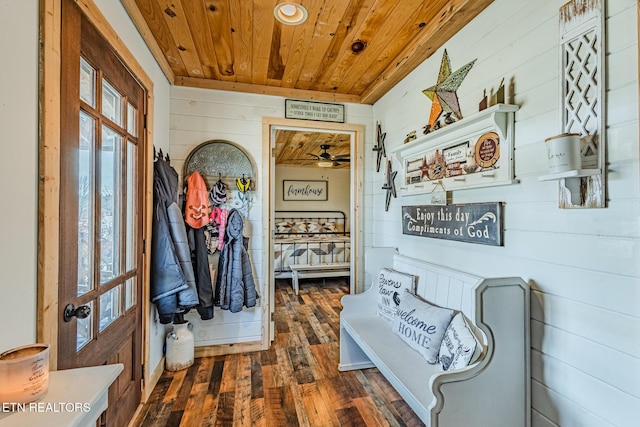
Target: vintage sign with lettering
[472, 223]
[310, 110]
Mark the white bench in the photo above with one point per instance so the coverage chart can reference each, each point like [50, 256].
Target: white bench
[494, 391]
[309, 271]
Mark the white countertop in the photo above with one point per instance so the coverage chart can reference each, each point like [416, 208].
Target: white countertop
[76, 397]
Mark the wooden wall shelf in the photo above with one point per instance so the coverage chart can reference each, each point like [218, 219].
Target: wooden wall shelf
[577, 173]
[476, 151]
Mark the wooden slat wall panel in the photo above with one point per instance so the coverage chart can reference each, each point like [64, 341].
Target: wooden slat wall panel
[379, 32]
[299, 48]
[174, 17]
[276, 63]
[255, 53]
[263, 24]
[220, 27]
[452, 17]
[389, 47]
[202, 37]
[293, 147]
[340, 54]
[241, 17]
[324, 32]
[160, 31]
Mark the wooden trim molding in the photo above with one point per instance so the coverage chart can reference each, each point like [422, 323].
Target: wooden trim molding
[265, 90]
[49, 176]
[357, 196]
[49, 166]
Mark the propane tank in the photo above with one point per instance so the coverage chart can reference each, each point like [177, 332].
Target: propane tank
[179, 344]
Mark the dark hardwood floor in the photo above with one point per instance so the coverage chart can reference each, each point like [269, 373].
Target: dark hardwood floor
[294, 383]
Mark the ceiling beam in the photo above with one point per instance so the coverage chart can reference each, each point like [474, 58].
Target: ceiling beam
[266, 90]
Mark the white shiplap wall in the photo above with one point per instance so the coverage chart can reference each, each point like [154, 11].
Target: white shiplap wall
[199, 115]
[19, 172]
[583, 265]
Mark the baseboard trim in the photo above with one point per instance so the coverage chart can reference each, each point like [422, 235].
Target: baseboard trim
[224, 349]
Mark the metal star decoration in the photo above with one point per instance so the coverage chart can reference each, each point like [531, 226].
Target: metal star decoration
[389, 185]
[443, 93]
[379, 147]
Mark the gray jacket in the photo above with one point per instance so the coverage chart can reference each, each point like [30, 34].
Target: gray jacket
[235, 286]
[172, 284]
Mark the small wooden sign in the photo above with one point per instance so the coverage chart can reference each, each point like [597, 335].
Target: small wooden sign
[472, 223]
[309, 110]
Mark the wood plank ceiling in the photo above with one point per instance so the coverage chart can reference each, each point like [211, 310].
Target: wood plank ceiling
[301, 148]
[346, 50]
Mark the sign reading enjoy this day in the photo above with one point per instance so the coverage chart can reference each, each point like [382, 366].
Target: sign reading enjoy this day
[309, 110]
[304, 190]
[472, 223]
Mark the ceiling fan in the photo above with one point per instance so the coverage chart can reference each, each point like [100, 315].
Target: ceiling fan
[326, 160]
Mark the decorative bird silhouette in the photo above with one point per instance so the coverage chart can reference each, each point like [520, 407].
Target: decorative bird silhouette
[396, 298]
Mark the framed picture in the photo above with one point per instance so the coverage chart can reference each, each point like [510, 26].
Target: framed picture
[304, 190]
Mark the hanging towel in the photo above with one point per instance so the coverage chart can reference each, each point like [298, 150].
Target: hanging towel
[197, 201]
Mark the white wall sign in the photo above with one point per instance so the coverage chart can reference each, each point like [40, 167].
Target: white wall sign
[304, 190]
[308, 110]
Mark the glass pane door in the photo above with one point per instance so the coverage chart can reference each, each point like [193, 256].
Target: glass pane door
[107, 166]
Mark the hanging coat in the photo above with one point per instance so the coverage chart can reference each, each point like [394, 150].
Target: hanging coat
[200, 260]
[196, 210]
[172, 285]
[235, 286]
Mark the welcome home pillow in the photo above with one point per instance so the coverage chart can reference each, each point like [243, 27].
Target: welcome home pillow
[421, 325]
[391, 287]
[460, 346]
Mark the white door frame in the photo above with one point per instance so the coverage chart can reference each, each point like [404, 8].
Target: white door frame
[269, 127]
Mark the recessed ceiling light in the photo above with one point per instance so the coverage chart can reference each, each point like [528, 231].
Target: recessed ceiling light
[290, 13]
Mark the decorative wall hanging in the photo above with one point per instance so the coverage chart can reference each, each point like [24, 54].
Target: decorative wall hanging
[582, 50]
[410, 136]
[223, 164]
[472, 223]
[443, 93]
[476, 151]
[304, 190]
[379, 148]
[439, 195]
[494, 98]
[312, 110]
[389, 185]
[220, 159]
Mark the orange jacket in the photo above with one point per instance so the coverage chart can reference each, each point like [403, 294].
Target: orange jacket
[197, 207]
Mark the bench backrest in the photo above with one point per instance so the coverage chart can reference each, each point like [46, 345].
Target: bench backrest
[440, 285]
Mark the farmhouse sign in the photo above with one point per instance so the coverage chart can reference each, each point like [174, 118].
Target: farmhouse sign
[308, 110]
[472, 223]
[304, 190]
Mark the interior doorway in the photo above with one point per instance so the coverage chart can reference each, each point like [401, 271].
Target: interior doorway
[355, 133]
